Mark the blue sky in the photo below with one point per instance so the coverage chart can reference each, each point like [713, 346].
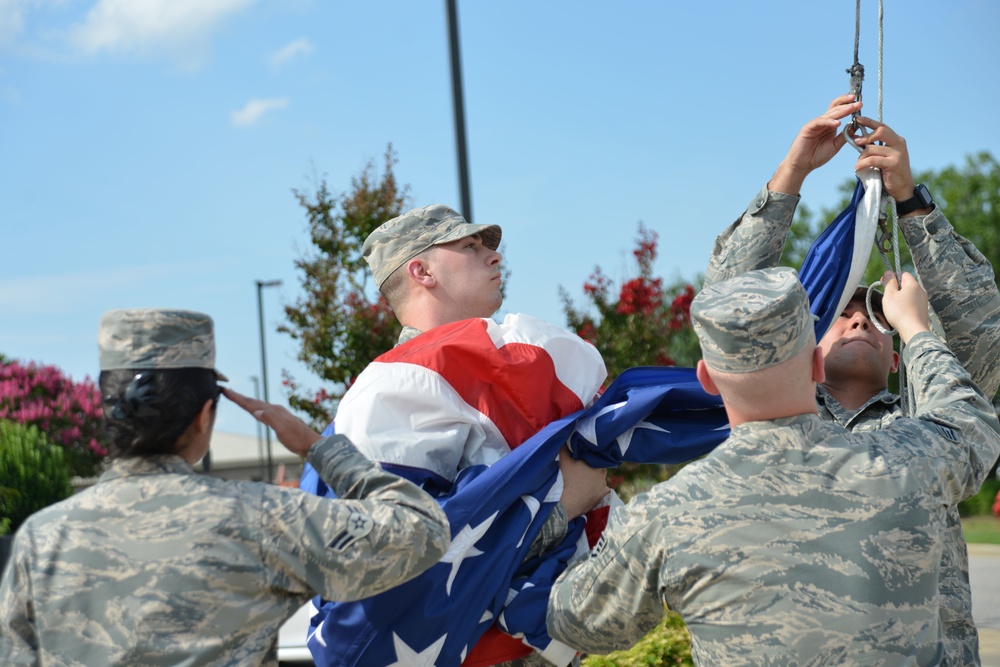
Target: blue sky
[148, 149]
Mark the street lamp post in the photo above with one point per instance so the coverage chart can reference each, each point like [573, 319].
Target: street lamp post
[261, 284]
[260, 438]
[459, 103]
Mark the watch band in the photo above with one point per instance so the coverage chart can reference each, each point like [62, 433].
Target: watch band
[921, 199]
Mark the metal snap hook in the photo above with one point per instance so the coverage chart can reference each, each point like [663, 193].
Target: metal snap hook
[849, 137]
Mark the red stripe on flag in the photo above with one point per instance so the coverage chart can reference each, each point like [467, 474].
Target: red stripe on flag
[494, 647]
[514, 386]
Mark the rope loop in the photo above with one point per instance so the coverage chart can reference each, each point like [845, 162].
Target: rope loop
[871, 313]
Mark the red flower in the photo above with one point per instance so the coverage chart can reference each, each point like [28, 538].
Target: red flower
[680, 309]
[640, 295]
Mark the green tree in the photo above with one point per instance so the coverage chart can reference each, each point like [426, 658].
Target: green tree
[969, 196]
[341, 323]
[68, 412]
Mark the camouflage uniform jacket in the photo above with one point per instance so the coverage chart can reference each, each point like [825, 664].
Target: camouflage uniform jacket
[795, 542]
[965, 309]
[158, 565]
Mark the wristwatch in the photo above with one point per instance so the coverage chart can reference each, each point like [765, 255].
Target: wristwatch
[921, 199]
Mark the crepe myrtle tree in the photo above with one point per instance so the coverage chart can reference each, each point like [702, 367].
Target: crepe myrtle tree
[341, 322]
[67, 412]
[641, 322]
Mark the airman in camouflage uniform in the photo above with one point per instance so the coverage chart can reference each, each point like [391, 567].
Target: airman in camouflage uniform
[158, 565]
[434, 267]
[965, 309]
[794, 542]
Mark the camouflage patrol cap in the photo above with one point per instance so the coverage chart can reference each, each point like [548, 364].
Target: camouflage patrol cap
[404, 237]
[860, 294]
[156, 338]
[753, 321]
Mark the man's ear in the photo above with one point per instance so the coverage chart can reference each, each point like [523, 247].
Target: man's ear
[895, 362]
[818, 366]
[701, 372]
[418, 271]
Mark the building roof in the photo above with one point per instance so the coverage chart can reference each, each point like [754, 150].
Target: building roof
[235, 450]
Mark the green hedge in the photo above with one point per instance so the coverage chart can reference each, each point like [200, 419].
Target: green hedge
[982, 502]
[667, 644]
[33, 474]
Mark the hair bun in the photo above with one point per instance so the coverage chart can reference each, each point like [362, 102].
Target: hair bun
[138, 400]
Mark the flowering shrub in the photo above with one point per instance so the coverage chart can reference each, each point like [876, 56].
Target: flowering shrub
[67, 412]
[641, 324]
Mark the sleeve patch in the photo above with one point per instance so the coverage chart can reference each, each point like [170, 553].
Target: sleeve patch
[599, 547]
[947, 432]
[358, 526]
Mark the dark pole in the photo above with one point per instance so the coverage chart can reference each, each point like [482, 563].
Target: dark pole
[263, 368]
[260, 438]
[456, 87]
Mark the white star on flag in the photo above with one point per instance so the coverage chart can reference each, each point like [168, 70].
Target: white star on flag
[587, 426]
[533, 507]
[407, 657]
[463, 546]
[625, 439]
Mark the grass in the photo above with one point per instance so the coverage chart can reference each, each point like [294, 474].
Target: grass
[981, 529]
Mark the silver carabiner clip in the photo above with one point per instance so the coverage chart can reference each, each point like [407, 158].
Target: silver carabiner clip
[849, 136]
[883, 240]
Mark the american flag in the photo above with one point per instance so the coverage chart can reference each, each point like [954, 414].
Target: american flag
[835, 263]
[647, 415]
[512, 383]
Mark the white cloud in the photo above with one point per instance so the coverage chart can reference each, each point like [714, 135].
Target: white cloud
[254, 109]
[180, 27]
[300, 47]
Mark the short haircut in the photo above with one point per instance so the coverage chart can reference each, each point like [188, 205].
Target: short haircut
[393, 287]
[147, 410]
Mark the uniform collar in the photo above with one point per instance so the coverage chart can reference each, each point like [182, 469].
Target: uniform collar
[160, 464]
[845, 416]
[408, 333]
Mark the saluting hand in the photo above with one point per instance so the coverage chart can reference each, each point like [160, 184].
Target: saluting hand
[292, 432]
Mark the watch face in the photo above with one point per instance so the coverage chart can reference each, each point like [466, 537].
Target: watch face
[921, 199]
[923, 195]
